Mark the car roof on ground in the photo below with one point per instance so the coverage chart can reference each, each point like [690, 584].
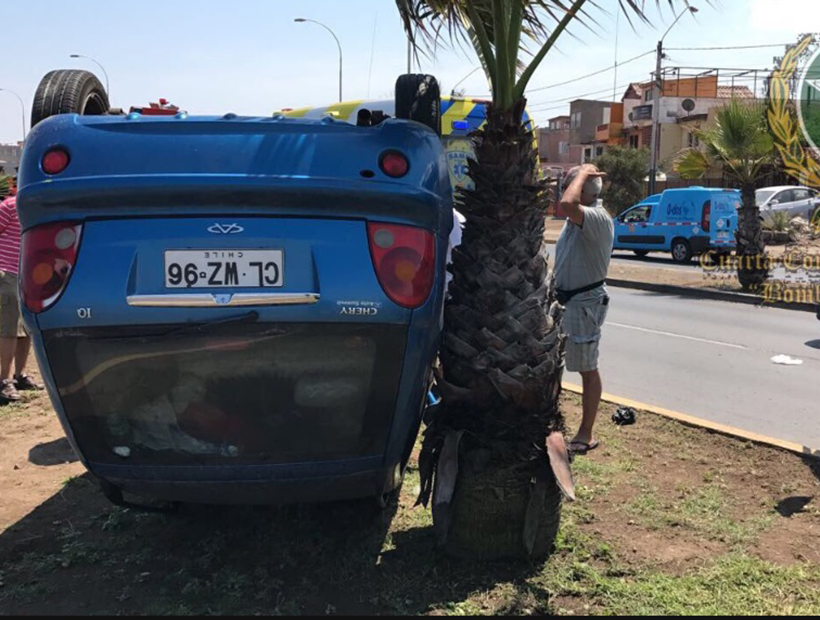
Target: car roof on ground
[775, 188]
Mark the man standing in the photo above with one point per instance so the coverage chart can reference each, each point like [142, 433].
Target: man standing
[15, 343]
[582, 256]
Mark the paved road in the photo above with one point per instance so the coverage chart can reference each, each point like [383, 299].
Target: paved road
[712, 360]
[656, 259]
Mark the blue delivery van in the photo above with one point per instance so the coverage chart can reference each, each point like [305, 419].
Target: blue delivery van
[685, 222]
[236, 309]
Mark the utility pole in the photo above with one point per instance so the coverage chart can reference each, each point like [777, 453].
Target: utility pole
[656, 100]
[656, 116]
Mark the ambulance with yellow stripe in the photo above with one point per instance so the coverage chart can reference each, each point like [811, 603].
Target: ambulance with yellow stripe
[459, 117]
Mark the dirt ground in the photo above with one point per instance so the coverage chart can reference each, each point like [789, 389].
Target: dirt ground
[670, 519]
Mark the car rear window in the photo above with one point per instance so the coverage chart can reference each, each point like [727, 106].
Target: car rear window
[249, 394]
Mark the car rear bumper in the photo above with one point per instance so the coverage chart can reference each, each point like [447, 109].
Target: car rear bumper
[321, 482]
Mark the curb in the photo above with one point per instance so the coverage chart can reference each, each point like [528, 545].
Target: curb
[698, 293]
[708, 425]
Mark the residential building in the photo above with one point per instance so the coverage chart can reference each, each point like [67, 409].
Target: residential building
[685, 104]
[10, 157]
[553, 141]
[586, 116]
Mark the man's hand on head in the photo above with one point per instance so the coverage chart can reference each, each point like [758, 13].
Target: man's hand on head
[591, 171]
[572, 200]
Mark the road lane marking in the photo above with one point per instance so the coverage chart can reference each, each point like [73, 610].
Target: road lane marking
[691, 420]
[671, 335]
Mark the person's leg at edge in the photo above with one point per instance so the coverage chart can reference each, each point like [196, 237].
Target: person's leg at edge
[21, 353]
[593, 390]
[8, 349]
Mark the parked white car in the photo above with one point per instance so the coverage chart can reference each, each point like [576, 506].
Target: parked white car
[796, 201]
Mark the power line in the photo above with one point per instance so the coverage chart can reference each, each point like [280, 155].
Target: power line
[583, 77]
[712, 49]
[574, 97]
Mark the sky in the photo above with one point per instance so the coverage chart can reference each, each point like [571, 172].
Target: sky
[249, 57]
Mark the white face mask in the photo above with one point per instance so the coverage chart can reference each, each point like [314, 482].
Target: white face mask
[592, 191]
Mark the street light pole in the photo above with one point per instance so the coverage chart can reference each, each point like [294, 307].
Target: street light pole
[656, 104]
[22, 109]
[105, 73]
[301, 20]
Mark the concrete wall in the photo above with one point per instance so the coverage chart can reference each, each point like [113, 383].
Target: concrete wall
[592, 115]
[549, 145]
[10, 154]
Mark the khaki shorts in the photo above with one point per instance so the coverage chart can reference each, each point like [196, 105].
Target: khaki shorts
[583, 320]
[11, 324]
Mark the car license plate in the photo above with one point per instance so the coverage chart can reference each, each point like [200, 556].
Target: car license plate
[224, 268]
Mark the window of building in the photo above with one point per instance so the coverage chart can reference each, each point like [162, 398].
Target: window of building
[607, 116]
[563, 148]
[692, 141]
[599, 151]
[587, 154]
[634, 141]
[576, 119]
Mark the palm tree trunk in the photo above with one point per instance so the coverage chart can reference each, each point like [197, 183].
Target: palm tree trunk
[502, 356]
[751, 249]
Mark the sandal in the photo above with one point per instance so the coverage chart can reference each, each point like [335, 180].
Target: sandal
[8, 392]
[579, 448]
[25, 383]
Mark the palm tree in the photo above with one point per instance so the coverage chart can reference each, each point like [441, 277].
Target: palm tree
[740, 141]
[502, 355]
[5, 186]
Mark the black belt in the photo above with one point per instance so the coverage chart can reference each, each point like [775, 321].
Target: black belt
[564, 297]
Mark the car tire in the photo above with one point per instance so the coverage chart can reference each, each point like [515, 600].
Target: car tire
[641, 253]
[681, 251]
[418, 98]
[69, 91]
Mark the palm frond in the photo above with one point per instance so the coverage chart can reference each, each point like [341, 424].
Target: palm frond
[692, 164]
[740, 139]
[503, 31]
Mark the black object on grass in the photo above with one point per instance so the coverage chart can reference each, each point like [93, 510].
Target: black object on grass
[625, 416]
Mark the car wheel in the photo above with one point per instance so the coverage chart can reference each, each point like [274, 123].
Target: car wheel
[418, 98]
[641, 253]
[681, 251]
[69, 91]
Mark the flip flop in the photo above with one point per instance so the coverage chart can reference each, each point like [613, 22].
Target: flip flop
[579, 448]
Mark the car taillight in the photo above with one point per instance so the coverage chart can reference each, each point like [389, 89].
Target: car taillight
[404, 260]
[49, 253]
[706, 222]
[394, 164]
[55, 161]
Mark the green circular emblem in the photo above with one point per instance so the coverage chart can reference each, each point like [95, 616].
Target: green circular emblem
[809, 100]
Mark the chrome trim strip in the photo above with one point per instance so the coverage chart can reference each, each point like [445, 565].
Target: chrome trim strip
[207, 300]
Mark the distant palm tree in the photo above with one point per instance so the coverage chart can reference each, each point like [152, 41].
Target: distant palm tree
[741, 143]
[5, 186]
[502, 355]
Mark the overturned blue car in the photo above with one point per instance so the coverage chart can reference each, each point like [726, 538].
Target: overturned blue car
[236, 310]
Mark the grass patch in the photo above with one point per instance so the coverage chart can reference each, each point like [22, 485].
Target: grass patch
[705, 511]
[650, 534]
[730, 585]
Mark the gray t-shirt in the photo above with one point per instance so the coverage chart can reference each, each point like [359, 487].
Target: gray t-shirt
[582, 253]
